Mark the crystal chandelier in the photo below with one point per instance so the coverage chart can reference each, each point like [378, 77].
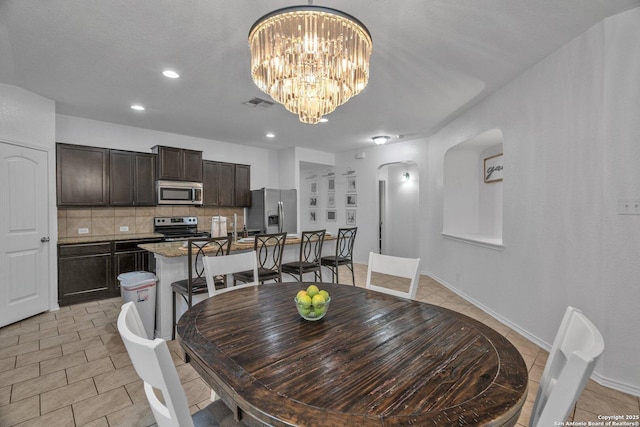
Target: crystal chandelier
[311, 59]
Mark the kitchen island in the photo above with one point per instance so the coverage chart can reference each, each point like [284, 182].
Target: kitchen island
[171, 266]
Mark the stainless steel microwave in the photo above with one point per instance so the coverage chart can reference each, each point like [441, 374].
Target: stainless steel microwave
[179, 193]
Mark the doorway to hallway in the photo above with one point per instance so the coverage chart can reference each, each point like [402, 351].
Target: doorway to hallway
[398, 209]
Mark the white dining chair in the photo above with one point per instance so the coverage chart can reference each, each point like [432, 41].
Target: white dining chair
[577, 347]
[408, 268]
[152, 362]
[216, 266]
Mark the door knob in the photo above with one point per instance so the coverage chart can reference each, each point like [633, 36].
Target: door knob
[44, 239]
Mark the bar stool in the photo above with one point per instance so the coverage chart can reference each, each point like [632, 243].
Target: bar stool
[344, 254]
[310, 252]
[196, 282]
[269, 249]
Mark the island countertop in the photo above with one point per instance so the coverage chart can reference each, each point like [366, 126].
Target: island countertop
[171, 266]
[178, 248]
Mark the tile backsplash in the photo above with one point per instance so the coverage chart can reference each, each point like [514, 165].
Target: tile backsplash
[74, 222]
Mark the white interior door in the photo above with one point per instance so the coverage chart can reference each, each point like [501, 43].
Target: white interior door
[24, 231]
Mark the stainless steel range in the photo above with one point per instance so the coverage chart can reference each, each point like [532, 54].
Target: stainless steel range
[178, 228]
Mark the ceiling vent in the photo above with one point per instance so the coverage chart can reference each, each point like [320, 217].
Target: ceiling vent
[258, 102]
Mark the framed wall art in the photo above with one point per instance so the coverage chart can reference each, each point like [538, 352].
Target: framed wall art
[351, 217]
[331, 200]
[313, 201]
[331, 185]
[313, 187]
[351, 200]
[493, 168]
[331, 215]
[351, 184]
[312, 217]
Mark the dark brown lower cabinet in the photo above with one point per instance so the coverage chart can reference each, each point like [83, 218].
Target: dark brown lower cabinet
[85, 272]
[89, 271]
[128, 257]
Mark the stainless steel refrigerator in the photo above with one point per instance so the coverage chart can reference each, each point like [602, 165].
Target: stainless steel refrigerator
[273, 211]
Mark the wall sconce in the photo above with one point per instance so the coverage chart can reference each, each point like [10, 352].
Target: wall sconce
[405, 176]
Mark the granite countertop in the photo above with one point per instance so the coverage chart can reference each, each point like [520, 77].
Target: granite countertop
[178, 249]
[107, 238]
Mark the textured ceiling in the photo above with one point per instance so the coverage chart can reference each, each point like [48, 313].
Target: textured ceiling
[431, 60]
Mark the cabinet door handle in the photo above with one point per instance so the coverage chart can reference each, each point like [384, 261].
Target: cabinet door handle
[44, 239]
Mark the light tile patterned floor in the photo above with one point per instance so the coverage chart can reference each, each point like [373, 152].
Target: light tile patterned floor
[70, 368]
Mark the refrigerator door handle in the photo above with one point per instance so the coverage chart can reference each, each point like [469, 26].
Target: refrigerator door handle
[280, 216]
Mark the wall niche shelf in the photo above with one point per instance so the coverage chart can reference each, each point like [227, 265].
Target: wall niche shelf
[490, 242]
[473, 208]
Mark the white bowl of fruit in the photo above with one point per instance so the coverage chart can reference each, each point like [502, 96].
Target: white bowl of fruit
[312, 303]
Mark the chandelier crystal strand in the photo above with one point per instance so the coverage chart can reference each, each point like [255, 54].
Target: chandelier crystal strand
[310, 59]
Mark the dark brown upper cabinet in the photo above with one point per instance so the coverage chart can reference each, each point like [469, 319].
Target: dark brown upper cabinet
[210, 179]
[243, 185]
[82, 175]
[178, 164]
[192, 161]
[226, 184]
[145, 173]
[132, 178]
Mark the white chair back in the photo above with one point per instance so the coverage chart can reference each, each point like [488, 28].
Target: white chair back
[226, 266]
[152, 362]
[576, 349]
[408, 268]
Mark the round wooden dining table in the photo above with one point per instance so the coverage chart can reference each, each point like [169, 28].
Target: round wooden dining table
[373, 360]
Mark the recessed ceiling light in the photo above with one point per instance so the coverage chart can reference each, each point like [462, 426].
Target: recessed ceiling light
[324, 120]
[171, 74]
[270, 135]
[381, 139]
[137, 107]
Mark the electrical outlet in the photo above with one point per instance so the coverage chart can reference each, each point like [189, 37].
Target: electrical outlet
[83, 231]
[629, 206]
[124, 228]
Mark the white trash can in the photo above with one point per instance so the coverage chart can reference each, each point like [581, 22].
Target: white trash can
[140, 287]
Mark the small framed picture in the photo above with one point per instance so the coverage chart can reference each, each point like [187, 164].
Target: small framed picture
[351, 217]
[331, 185]
[331, 200]
[351, 184]
[331, 215]
[351, 200]
[493, 168]
[313, 201]
[313, 189]
[312, 217]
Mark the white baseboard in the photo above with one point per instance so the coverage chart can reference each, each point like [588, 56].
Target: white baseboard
[604, 381]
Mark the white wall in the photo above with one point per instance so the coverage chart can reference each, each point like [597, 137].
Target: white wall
[75, 130]
[490, 198]
[323, 162]
[621, 233]
[402, 210]
[366, 172]
[28, 119]
[322, 195]
[571, 131]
